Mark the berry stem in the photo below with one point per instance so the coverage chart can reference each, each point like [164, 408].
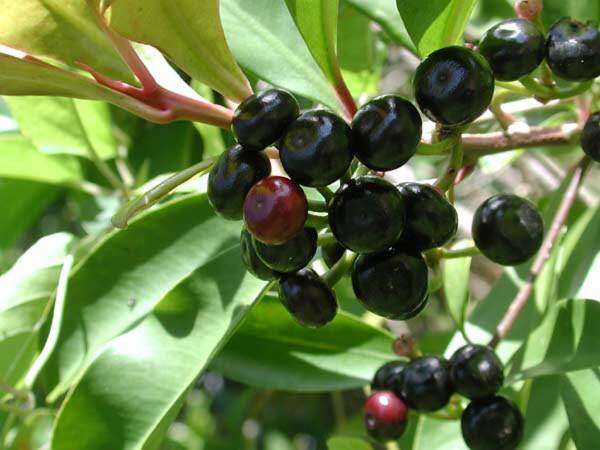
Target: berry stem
[316, 221]
[546, 93]
[438, 148]
[340, 268]
[326, 193]
[134, 207]
[576, 175]
[326, 239]
[454, 165]
[459, 253]
[317, 205]
[345, 97]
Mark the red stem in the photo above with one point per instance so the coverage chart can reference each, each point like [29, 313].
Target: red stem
[345, 97]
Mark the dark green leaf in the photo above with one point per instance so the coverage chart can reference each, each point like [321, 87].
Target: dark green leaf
[347, 443]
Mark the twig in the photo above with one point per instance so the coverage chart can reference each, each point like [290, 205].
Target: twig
[517, 305]
[340, 268]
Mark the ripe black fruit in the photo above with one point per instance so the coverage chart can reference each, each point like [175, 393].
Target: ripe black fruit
[454, 85]
[332, 253]
[573, 50]
[431, 221]
[232, 176]
[315, 149]
[261, 119]
[590, 137]
[508, 229]
[367, 215]
[385, 416]
[251, 260]
[425, 384]
[494, 423]
[476, 372]
[391, 283]
[388, 375]
[290, 256]
[514, 48]
[308, 298]
[386, 132]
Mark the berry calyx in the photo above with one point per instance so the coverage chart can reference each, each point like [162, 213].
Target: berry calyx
[275, 210]
[425, 384]
[315, 149]
[385, 416]
[251, 260]
[508, 229]
[290, 256]
[514, 48]
[367, 215]
[573, 50]
[493, 423]
[392, 283]
[590, 137]
[476, 372]
[386, 132]
[431, 221]
[308, 298]
[388, 375]
[261, 119]
[454, 85]
[232, 176]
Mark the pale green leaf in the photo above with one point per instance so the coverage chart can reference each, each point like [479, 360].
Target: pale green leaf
[581, 394]
[347, 443]
[456, 274]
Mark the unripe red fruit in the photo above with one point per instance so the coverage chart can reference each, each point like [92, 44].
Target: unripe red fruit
[528, 9]
[385, 416]
[275, 210]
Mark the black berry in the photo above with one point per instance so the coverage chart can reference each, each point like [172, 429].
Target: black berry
[493, 423]
[388, 376]
[391, 283]
[590, 137]
[315, 149]
[386, 132]
[508, 229]
[476, 371]
[232, 176]
[425, 384]
[573, 50]
[290, 256]
[332, 253]
[367, 215]
[251, 260]
[308, 298]
[514, 48]
[385, 416]
[261, 119]
[431, 221]
[275, 210]
[454, 85]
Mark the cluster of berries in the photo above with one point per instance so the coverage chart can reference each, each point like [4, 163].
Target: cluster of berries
[426, 384]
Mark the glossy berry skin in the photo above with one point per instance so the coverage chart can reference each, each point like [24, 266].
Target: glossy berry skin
[385, 416]
[315, 149]
[454, 85]
[508, 229]
[590, 137]
[391, 283]
[261, 119]
[513, 48]
[493, 423]
[367, 215]
[388, 375]
[232, 176]
[308, 298]
[386, 132]
[476, 372]
[275, 210]
[573, 50]
[425, 384]
[290, 256]
[431, 221]
[332, 253]
[251, 260]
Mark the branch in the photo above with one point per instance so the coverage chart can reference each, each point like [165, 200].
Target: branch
[517, 305]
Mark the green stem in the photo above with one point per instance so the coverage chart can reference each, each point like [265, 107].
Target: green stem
[513, 87]
[340, 268]
[317, 206]
[361, 170]
[316, 221]
[550, 93]
[337, 401]
[439, 148]
[326, 193]
[459, 253]
[454, 165]
[326, 239]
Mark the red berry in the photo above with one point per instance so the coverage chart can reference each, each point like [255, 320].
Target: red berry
[275, 210]
[385, 416]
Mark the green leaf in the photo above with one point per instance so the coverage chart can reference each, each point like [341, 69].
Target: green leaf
[265, 41]
[438, 434]
[456, 274]
[64, 125]
[157, 361]
[129, 272]
[347, 443]
[212, 138]
[580, 392]
[440, 24]
[566, 341]
[66, 30]
[35, 431]
[190, 34]
[557, 9]
[272, 351]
